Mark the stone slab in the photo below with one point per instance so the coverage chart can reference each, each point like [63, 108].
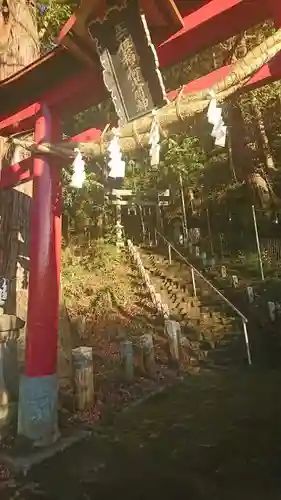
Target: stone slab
[22, 463]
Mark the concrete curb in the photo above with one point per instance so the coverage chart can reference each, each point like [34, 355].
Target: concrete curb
[23, 463]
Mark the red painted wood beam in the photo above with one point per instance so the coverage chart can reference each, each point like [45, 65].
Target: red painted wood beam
[16, 174]
[209, 24]
[275, 9]
[13, 123]
[72, 96]
[91, 134]
[22, 172]
[218, 19]
[214, 22]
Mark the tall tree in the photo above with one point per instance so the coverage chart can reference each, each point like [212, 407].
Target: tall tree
[19, 46]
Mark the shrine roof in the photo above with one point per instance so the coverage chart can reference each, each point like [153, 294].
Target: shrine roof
[76, 57]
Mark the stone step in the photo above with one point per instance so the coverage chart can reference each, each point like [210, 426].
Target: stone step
[206, 323]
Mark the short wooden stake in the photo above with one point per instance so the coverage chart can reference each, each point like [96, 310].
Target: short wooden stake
[158, 300]
[272, 310]
[212, 262]
[173, 332]
[127, 361]
[147, 348]
[165, 310]
[235, 281]
[223, 272]
[83, 377]
[204, 258]
[250, 294]
[152, 293]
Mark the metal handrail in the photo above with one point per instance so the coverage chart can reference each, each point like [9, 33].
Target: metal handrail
[232, 306]
[194, 271]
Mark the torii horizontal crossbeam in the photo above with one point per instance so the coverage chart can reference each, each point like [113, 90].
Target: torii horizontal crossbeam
[213, 22]
[22, 172]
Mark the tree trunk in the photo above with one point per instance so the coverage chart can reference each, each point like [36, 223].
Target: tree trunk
[244, 161]
[19, 47]
[262, 139]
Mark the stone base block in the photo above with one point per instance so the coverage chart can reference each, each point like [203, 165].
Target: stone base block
[38, 409]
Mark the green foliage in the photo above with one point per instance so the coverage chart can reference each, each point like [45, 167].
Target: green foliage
[182, 154]
[94, 279]
[81, 204]
[203, 168]
[52, 14]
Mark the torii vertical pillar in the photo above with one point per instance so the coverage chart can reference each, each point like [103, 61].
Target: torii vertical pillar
[38, 398]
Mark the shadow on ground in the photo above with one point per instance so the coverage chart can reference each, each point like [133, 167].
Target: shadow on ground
[214, 436]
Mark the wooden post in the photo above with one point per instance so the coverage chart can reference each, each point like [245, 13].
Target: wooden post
[119, 227]
[258, 243]
[221, 246]
[223, 272]
[169, 254]
[165, 311]
[185, 229]
[127, 361]
[142, 224]
[173, 332]
[204, 258]
[193, 282]
[235, 281]
[272, 311]
[212, 262]
[210, 232]
[158, 300]
[152, 292]
[147, 349]
[250, 294]
[83, 377]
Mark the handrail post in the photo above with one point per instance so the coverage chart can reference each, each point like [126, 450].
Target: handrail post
[193, 282]
[258, 243]
[185, 230]
[170, 254]
[245, 330]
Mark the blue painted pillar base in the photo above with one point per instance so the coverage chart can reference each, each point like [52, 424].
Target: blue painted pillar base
[38, 409]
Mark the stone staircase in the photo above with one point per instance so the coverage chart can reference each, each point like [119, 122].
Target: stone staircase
[265, 334]
[209, 329]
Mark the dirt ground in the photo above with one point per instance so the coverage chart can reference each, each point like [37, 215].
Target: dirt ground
[212, 436]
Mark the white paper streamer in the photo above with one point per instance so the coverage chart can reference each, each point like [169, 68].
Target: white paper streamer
[79, 175]
[214, 116]
[116, 165]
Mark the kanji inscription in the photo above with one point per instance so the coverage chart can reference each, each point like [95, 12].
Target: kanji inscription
[129, 61]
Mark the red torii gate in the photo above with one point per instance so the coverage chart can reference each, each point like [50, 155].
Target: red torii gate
[68, 80]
